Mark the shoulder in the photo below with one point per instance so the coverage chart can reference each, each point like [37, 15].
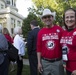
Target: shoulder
[35, 30]
[42, 29]
[2, 35]
[16, 37]
[58, 26]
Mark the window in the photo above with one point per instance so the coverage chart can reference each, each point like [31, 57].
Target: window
[13, 22]
[12, 2]
[12, 30]
[19, 23]
[2, 6]
[8, 2]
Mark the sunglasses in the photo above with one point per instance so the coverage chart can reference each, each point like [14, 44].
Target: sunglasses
[49, 16]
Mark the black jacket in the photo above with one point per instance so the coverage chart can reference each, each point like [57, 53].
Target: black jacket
[32, 41]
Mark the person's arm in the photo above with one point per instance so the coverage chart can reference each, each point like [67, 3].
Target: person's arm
[39, 48]
[39, 62]
[39, 57]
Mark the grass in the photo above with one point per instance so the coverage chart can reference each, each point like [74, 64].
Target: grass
[24, 72]
[26, 68]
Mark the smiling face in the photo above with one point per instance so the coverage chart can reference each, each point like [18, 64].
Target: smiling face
[70, 19]
[48, 20]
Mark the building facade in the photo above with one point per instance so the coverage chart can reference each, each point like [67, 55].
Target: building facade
[9, 16]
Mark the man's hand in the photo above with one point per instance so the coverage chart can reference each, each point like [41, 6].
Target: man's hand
[40, 67]
[20, 58]
[74, 72]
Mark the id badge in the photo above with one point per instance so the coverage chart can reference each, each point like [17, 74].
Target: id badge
[64, 57]
[64, 53]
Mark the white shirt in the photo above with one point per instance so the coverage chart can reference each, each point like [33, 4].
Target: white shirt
[19, 44]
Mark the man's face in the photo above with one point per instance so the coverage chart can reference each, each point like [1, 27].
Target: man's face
[70, 18]
[48, 20]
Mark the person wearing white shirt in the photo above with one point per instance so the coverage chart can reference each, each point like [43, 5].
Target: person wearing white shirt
[20, 45]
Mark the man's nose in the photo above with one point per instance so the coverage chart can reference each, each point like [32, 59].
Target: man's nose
[69, 18]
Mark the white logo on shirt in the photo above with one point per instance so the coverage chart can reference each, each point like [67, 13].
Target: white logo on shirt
[67, 40]
[50, 36]
[50, 44]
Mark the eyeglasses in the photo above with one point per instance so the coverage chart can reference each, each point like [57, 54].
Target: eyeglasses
[49, 16]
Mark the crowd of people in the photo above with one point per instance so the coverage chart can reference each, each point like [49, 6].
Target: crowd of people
[18, 42]
[48, 48]
[54, 45]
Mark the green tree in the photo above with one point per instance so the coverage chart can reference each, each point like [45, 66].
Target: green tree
[55, 5]
[26, 23]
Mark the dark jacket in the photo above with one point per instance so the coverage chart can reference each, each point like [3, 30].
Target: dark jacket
[32, 40]
[3, 47]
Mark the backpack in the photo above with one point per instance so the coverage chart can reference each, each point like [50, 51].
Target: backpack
[12, 52]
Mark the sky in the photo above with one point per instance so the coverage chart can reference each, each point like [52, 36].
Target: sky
[22, 6]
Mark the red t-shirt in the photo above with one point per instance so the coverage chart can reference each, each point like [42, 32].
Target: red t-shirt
[8, 37]
[48, 42]
[69, 39]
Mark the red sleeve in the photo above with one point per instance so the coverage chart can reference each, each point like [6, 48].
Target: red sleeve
[39, 42]
[8, 37]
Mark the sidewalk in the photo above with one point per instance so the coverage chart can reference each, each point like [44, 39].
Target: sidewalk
[25, 61]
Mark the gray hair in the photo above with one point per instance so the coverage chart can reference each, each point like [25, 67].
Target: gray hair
[1, 28]
[16, 30]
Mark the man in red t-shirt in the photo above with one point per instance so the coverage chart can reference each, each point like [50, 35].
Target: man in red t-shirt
[49, 52]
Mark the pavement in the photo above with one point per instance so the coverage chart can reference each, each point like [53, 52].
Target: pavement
[25, 61]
